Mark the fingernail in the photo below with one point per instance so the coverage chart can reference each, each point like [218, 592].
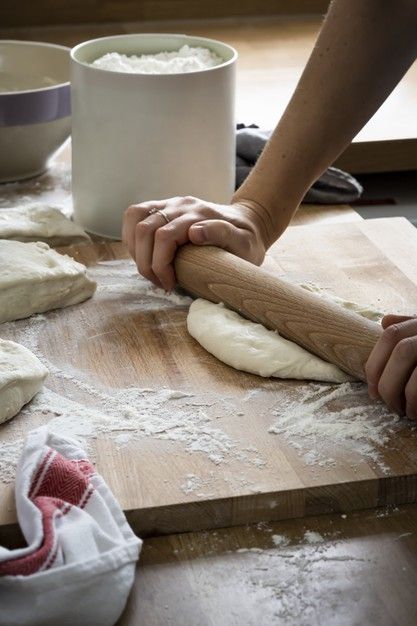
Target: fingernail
[373, 391]
[199, 234]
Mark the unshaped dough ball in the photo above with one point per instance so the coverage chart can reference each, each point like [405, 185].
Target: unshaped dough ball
[21, 377]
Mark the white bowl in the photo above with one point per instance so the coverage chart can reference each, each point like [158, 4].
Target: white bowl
[138, 137]
[35, 101]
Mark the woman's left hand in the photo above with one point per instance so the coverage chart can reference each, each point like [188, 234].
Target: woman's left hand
[391, 369]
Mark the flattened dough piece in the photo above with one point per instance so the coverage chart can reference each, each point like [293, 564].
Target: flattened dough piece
[34, 279]
[40, 222]
[253, 348]
[21, 377]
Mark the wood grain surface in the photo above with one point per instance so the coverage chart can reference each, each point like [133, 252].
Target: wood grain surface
[123, 338]
[339, 570]
[272, 54]
[324, 328]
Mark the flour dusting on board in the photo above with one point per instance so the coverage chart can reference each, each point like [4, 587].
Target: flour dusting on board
[121, 277]
[123, 415]
[318, 417]
[311, 418]
[126, 415]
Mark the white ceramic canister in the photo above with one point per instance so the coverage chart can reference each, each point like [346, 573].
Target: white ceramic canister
[138, 137]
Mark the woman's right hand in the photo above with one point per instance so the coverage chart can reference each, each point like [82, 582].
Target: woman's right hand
[154, 230]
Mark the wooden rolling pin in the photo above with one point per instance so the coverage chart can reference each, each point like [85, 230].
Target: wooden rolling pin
[337, 335]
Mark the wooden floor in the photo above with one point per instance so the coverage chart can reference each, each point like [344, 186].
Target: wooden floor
[272, 54]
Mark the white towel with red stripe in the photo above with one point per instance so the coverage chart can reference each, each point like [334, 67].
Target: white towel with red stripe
[79, 563]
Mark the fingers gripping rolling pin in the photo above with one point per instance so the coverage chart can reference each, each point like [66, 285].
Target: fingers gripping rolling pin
[337, 335]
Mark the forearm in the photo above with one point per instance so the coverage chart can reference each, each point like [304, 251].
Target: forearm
[363, 50]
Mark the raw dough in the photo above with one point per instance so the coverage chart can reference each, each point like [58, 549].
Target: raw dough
[365, 311]
[40, 222]
[253, 348]
[34, 279]
[21, 377]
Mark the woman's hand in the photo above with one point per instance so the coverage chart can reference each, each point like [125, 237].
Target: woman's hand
[153, 231]
[391, 369]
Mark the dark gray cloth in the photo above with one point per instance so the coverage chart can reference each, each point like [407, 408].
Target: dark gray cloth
[333, 187]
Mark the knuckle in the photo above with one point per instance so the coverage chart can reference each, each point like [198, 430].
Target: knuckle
[130, 212]
[247, 244]
[405, 348]
[143, 228]
[165, 233]
[247, 239]
[208, 212]
[392, 334]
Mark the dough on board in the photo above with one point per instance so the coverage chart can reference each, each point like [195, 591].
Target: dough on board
[34, 279]
[40, 222]
[252, 348]
[363, 310]
[21, 377]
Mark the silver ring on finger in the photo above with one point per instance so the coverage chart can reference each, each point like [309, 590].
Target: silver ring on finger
[164, 215]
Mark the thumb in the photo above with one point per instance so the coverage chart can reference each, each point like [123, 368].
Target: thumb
[390, 319]
[221, 234]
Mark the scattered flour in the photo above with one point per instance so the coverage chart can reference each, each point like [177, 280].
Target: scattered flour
[186, 59]
[9, 454]
[126, 415]
[311, 536]
[249, 550]
[316, 418]
[121, 277]
[284, 581]
[87, 411]
[280, 540]
[194, 483]
[191, 483]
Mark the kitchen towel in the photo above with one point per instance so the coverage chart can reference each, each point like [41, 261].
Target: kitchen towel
[333, 187]
[79, 563]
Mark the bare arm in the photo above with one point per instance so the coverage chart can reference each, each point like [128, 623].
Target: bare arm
[363, 50]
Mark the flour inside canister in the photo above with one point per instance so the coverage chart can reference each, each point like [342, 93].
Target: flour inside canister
[186, 59]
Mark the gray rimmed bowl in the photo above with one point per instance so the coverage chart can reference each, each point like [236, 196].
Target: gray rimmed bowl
[35, 106]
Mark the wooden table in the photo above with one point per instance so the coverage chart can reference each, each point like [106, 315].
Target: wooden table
[360, 569]
[272, 54]
[363, 571]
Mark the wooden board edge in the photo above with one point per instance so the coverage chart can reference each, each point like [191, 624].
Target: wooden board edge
[274, 506]
[385, 155]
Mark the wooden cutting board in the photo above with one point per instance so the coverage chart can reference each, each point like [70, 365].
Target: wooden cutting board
[205, 446]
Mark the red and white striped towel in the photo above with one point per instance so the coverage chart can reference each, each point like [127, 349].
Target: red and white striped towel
[79, 563]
